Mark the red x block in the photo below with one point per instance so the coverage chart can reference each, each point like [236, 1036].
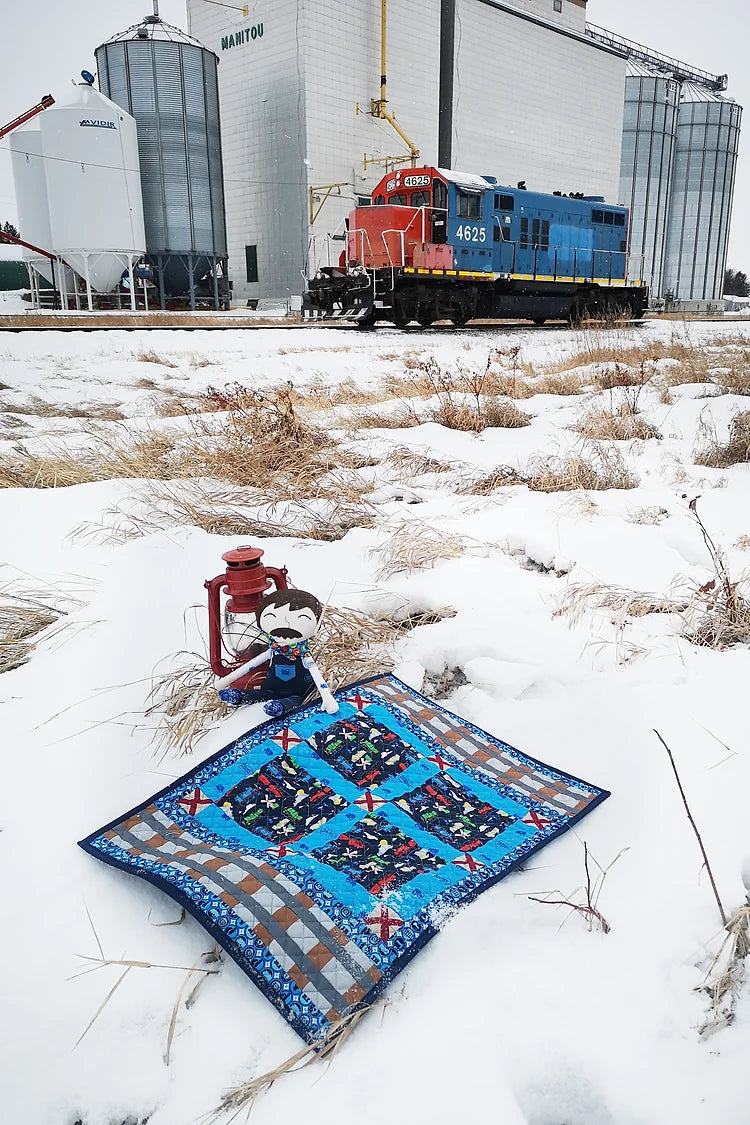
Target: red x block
[468, 862]
[194, 801]
[536, 820]
[287, 738]
[280, 851]
[439, 761]
[384, 922]
[358, 701]
[369, 801]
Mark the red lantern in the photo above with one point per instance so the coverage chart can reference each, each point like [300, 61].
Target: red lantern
[232, 630]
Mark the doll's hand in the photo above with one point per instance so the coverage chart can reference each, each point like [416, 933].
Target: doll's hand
[330, 706]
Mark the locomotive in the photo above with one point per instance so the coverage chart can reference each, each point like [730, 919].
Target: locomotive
[443, 245]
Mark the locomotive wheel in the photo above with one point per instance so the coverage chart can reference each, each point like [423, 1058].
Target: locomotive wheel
[366, 324]
[458, 317]
[539, 320]
[426, 321]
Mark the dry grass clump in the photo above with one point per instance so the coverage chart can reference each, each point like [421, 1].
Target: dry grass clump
[736, 380]
[415, 546]
[148, 355]
[350, 645]
[743, 543]
[578, 600]
[412, 463]
[719, 614]
[622, 424]
[601, 469]
[373, 420]
[185, 705]
[557, 383]
[21, 619]
[650, 516]
[38, 471]
[721, 455]
[617, 374]
[226, 510]
[260, 443]
[459, 398]
[40, 408]
[501, 477]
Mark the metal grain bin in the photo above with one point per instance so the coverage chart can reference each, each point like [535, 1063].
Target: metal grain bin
[708, 128]
[648, 139]
[168, 81]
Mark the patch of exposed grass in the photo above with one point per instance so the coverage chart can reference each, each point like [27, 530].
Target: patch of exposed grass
[260, 443]
[501, 477]
[735, 451]
[415, 545]
[622, 424]
[600, 469]
[21, 619]
[148, 355]
[412, 463]
[39, 408]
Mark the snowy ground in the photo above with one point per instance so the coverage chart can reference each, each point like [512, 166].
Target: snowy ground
[516, 1007]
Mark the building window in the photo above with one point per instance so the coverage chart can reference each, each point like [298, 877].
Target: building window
[557, 5]
[251, 262]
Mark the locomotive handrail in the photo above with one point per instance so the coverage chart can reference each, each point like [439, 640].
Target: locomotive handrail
[402, 231]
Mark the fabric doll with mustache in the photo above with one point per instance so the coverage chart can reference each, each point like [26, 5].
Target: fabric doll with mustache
[288, 618]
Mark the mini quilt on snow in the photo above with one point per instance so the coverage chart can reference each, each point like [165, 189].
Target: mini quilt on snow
[321, 850]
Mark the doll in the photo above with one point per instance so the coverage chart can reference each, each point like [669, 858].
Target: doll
[288, 619]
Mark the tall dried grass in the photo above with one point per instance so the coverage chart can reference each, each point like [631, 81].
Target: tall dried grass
[721, 455]
[21, 620]
[416, 545]
[601, 468]
[622, 424]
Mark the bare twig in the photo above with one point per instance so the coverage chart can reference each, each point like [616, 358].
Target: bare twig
[694, 827]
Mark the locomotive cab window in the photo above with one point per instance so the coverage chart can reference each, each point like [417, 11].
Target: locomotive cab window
[440, 203]
[468, 205]
[420, 199]
[597, 216]
[619, 219]
[379, 201]
[504, 202]
[398, 199]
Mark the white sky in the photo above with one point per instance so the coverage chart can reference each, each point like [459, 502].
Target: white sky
[47, 44]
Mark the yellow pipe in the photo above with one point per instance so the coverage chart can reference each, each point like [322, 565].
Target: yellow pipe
[382, 55]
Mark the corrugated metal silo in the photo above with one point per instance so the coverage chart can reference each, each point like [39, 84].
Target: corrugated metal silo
[168, 81]
[708, 128]
[649, 131]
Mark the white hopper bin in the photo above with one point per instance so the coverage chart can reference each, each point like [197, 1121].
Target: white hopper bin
[90, 148]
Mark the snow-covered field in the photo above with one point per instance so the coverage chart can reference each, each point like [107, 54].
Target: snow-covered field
[518, 1011]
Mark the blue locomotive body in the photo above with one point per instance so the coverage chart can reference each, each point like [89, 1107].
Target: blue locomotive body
[438, 244]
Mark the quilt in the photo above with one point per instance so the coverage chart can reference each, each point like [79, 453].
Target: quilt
[323, 851]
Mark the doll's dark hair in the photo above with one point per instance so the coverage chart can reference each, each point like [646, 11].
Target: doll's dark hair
[295, 599]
